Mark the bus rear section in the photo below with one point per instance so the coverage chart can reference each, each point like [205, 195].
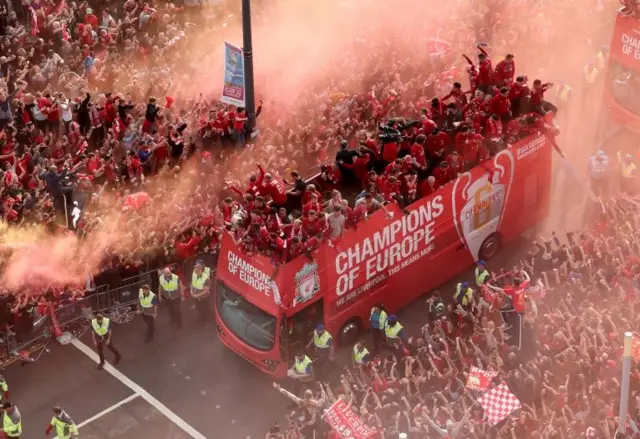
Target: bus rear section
[619, 128]
[266, 314]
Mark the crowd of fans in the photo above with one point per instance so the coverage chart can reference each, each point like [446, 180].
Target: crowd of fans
[77, 133]
[565, 369]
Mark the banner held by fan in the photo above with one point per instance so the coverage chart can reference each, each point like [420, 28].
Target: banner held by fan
[480, 379]
[346, 423]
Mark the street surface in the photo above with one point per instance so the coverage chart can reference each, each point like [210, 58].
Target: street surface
[183, 384]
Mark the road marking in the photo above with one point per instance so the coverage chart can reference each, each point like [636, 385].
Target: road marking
[108, 410]
[139, 391]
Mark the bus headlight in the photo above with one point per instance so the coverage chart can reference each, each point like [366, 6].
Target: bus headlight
[271, 364]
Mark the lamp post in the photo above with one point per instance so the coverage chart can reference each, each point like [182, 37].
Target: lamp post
[624, 384]
[250, 100]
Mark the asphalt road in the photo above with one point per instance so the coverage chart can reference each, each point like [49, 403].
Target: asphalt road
[183, 378]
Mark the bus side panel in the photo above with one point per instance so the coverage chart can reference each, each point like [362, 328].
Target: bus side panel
[393, 259]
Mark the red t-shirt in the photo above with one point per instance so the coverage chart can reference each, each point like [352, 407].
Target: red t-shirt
[517, 296]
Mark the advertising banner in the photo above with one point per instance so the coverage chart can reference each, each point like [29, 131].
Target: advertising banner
[438, 235]
[346, 423]
[233, 88]
[625, 46]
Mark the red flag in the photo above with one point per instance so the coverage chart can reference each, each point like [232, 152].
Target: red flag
[342, 419]
[136, 201]
[437, 47]
[448, 75]
[480, 379]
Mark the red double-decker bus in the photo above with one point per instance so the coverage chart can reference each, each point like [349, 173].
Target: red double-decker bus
[620, 126]
[266, 314]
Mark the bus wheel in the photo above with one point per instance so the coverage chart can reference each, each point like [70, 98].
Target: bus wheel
[349, 332]
[490, 247]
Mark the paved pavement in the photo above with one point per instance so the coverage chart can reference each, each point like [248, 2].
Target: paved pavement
[184, 384]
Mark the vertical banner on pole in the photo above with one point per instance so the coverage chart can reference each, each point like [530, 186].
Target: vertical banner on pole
[233, 90]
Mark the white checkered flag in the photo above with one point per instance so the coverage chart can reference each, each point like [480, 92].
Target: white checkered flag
[498, 403]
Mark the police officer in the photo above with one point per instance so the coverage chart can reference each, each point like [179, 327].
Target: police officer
[482, 275]
[627, 173]
[11, 421]
[301, 371]
[323, 342]
[200, 290]
[5, 389]
[148, 307]
[377, 320]
[591, 74]
[101, 336]
[64, 425]
[394, 333]
[170, 294]
[361, 355]
[599, 171]
[463, 295]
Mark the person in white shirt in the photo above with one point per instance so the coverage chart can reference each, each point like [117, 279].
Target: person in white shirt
[336, 221]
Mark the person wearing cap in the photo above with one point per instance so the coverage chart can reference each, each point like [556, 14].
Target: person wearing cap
[394, 332]
[148, 307]
[599, 173]
[482, 275]
[301, 371]
[361, 354]
[101, 336]
[464, 294]
[200, 290]
[11, 421]
[171, 295]
[64, 425]
[377, 321]
[325, 348]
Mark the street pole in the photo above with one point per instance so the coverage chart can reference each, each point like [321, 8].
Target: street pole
[624, 387]
[250, 99]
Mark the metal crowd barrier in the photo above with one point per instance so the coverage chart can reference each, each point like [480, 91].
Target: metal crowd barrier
[105, 299]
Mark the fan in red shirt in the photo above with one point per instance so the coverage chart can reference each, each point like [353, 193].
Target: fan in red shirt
[457, 94]
[437, 143]
[517, 93]
[427, 125]
[428, 186]
[500, 104]
[485, 70]
[505, 71]
[455, 165]
[417, 151]
[273, 187]
[442, 174]
[411, 185]
[537, 95]
[473, 74]
[515, 294]
[463, 138]
[314, 224]
[360, 166]
[312, 205]
[471, 151]
[392, 187]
